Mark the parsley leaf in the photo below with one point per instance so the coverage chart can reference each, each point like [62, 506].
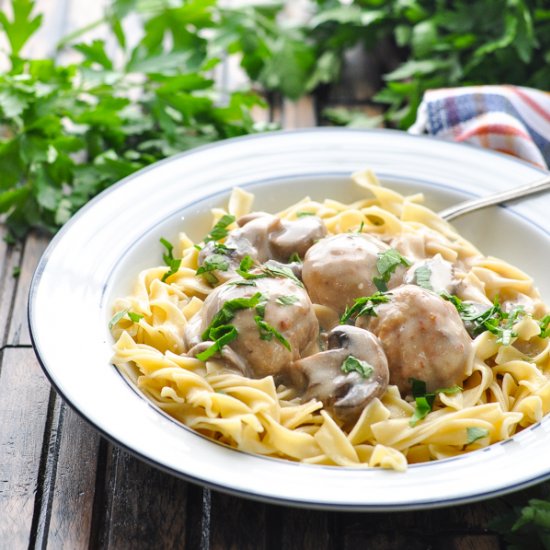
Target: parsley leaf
[303, 214]
[273, 270]
[168, 257]
[219, 231]
[494, 319]
[295, 257]
[424, 401]
[222, 335]
[423, 407]
[352, 364]
[244, 269]
[474, 434]
[242, 283]
[544, 324]
[387, 264]
[364, 306]
[246, 263]
[134, 317]
[422, 276]
[227, 312]
[287, 300]
[267, 332]
[214, 262]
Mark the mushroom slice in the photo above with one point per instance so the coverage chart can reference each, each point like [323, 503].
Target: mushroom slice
[263, 237]
[347, 375]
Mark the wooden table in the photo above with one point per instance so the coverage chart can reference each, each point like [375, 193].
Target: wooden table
[62, 485]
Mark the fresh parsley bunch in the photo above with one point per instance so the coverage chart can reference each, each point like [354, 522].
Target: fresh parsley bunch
[413, 45]
[68, 131]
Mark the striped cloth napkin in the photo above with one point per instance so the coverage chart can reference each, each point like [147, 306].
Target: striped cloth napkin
[510, 119]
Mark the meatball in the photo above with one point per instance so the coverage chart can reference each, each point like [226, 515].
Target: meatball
[339, 269]
[423, 338]
[283, 306]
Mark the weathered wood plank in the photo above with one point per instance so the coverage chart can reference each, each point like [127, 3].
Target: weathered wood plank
[18, 334]
[144, 508]
[441, 528]
[237, 523]
[465, 541]
[24, 399]
[10, 258]
[72, 485]
[378, 530]
[305, 530]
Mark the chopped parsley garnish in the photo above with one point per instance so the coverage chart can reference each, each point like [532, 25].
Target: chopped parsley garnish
[295, 257]
[422, 276]
[214, 262]
[468, 312]
[246, 263]
[494, 319]
[134, 317]
[227, 312]
[287, 300]
[474, 434]
[281, 271]
[219, 231]
[267, 332]
[168, 257]
[506, 333]
[242, 283]
[352, 364]
[244, 269]
[364, 306]
[544, 324]
[386, 264]
[260, 307]
[422, 409]
[251, 276]
[221, 331]
[221, 335]
[360, 230]
[270, 269]
[425, 401]
[302, 214]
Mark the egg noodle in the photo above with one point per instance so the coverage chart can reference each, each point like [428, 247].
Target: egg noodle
[507, 387]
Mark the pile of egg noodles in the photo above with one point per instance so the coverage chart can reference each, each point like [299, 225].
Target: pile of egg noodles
[506, 387]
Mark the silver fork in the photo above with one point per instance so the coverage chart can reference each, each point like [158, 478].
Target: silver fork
[538, 186]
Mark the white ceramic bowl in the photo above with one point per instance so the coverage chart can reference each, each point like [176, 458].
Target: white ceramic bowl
[96, 256]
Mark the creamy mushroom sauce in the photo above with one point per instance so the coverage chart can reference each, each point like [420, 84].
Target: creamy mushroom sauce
[347, 311]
